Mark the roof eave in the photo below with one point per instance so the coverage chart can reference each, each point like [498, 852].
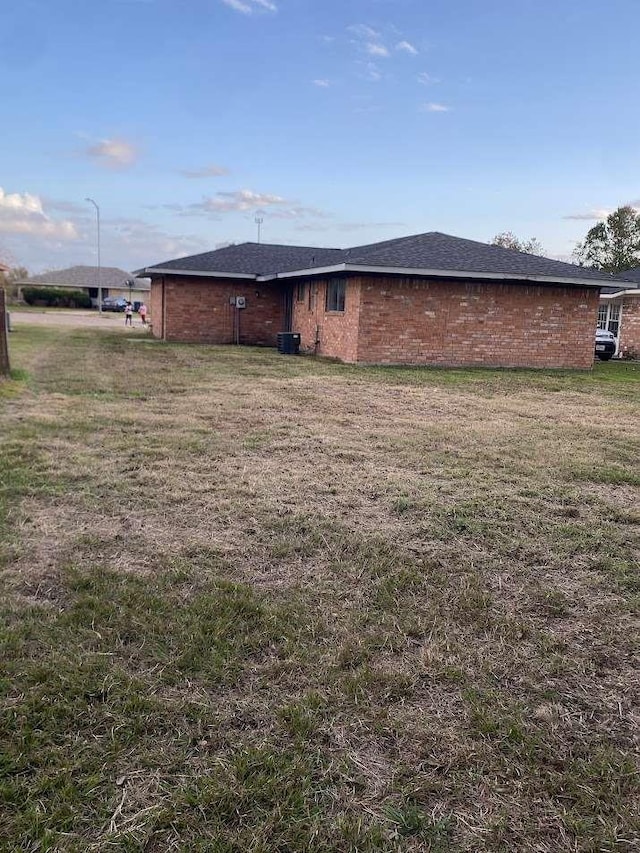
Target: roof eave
[362, 268]
[634, 291]
[437, 273]
[151, 271]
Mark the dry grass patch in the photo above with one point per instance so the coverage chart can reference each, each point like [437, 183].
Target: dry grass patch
[261, 603]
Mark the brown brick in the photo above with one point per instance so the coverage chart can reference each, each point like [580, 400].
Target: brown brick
[393, 320]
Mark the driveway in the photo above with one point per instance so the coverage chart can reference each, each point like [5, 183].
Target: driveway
[73, 319]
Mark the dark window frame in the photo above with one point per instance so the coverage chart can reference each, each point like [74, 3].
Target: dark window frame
[335, 297]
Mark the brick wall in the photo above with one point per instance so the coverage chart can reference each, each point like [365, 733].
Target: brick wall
[330, 333]
[155, 308]
[198, 310]
[408, 321]
[630, 326]
[394, 320]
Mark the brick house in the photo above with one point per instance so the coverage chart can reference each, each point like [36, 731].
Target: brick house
[113, 282]
[425, 299]
[619, 312]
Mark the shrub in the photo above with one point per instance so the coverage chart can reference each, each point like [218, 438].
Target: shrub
[58, 297]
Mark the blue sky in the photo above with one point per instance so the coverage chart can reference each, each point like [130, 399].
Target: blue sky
[338, 122]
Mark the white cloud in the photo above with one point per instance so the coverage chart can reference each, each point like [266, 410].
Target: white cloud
[65, 206]
[247, 7]
[435, 108]
[236, 201]
[371, 72]
[407, 47]
[374, 49]
[144, 243]
[322, 84]
[426, 79]
[594, 215]
[113, 153]
[246, 201]
[24, 214]
[25, 203]
[363, 31]
[297, 211]
[38, 241]
[238, 6]
[211, 171]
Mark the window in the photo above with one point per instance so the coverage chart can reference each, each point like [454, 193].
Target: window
[300, 292]
[609, 318]
[614, 319]
[336, 288]
[602, 316]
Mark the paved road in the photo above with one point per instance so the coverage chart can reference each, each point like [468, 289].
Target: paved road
[73, 319]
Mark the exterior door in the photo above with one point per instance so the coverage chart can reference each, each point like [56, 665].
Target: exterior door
[609, 319]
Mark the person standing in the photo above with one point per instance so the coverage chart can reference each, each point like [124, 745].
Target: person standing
[128, 314]
[142, 311]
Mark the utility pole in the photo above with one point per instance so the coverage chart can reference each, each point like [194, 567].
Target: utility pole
[259, 220]
[91, 201]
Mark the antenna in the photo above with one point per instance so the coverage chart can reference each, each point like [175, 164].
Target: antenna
[259, 220]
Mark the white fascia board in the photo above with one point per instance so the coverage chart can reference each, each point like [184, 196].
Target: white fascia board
[634, 291]
[491, 276]
[406, 271]
[422, 273]
[298, 273]
[200, 273]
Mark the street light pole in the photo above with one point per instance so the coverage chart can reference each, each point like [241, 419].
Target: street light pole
[91, 201]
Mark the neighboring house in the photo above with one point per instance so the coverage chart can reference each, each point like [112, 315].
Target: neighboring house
[426, 299]
[619, 312]
[114, 282]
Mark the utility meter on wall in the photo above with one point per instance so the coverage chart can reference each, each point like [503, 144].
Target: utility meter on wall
[241, 302]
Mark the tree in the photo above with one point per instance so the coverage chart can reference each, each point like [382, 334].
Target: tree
[508, 240]
[9, 280]
[614, 244]
[17, 274]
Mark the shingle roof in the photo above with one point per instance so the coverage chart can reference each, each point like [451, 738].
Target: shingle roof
[426, 253]
[85, 276]
[438, 251]
[629, 280]
[632, 275]
[255, 259]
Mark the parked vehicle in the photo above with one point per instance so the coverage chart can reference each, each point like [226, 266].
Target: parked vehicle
[114, 303]
[605, 344]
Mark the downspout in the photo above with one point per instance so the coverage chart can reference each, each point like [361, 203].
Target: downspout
[316, 346]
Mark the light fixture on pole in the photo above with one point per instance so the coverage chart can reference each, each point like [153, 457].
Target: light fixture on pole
[91, 201]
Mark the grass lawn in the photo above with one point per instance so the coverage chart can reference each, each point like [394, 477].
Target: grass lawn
[257, 603]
